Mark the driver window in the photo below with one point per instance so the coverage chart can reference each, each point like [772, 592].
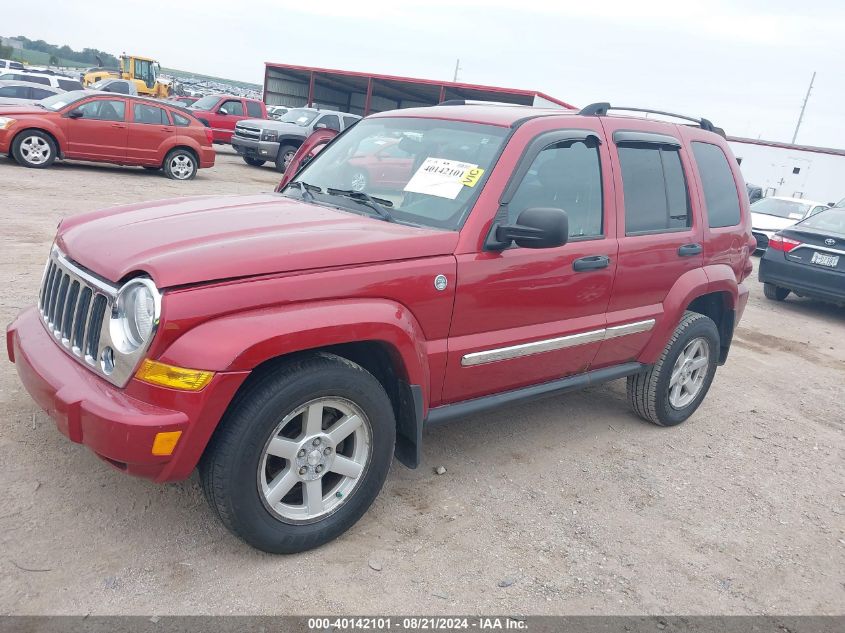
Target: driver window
[330, 121]
[103, 110]
[566, 175]
[232, 107]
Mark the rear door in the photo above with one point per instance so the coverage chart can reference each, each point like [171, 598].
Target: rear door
[660, 237]
[100, 130]
[149, 130]
[525, 316]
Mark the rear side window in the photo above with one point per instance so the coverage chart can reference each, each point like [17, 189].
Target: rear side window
[150, 115]
[654, 189]
[16, 92]
[34, 79]
[566, 176]
[40, 93]
[718, 183]
[69, 84]
[253, 108]
[181, 121]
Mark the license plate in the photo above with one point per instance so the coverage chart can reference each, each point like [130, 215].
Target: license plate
[830, 261]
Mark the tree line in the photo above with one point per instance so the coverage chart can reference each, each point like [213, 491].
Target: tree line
[87, 56]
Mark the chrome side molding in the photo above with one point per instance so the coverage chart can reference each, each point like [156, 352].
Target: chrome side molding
[552, 344]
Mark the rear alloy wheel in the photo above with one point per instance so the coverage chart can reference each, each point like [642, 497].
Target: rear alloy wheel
[253, 162]
[775, 293]
[672, 389]
[286, 153]
[301, 454]
[180, 164]
[33, 148]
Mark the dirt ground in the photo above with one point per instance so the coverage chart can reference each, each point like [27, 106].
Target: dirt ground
[568, 505]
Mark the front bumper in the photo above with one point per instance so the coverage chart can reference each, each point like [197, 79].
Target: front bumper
[251, 148]
[119, 425]
[808, 281]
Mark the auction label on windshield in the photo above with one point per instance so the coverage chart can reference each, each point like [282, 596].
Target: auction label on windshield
[443, 177]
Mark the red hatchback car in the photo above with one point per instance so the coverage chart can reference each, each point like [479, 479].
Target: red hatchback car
[107, 128]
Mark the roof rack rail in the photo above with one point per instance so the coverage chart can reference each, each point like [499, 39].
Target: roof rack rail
[460, 102]
[601, 108]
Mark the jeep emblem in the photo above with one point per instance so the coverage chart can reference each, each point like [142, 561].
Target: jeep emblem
[440, 282]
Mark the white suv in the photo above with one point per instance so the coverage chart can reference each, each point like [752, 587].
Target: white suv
[56, 81]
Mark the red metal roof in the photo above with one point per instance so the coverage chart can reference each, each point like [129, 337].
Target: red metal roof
[802, 148]
[424, 82]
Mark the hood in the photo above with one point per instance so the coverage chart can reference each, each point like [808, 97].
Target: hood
[763, 222]
[21, 108]
[278, 126]
[192, 240]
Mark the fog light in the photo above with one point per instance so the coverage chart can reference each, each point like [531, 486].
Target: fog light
[165, 375]
[165, 443]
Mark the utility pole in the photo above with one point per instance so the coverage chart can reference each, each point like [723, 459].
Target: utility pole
[803, 107]
[458, 67]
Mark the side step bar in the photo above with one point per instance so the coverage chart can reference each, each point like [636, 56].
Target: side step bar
[445, 413]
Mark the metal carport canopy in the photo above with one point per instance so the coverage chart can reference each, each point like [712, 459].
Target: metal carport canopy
[365, 93]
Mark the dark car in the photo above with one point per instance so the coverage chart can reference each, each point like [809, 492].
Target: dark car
[808, 259]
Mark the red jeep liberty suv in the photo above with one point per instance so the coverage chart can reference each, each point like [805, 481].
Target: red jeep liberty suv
[290, 344]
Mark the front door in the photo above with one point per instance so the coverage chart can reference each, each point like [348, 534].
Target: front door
[97, 130]
[228, 114]
[525, 316]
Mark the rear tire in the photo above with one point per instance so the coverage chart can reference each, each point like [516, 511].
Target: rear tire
[253, 162]
[180, 164]
[34, 148]
[672, 389]
[775, 293]
[284, 157]
[268, 445]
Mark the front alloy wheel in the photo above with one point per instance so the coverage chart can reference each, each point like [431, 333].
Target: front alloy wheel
[314, 459]
[34, 148]
[301, 453]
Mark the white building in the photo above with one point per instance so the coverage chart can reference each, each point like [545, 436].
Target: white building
[797, 171]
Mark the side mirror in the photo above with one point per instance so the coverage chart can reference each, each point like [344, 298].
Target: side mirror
[539, 227]
[222, 111]
[320, 126]
[74, 114]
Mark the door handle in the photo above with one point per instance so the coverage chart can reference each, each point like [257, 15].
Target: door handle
[688, 250]
[593, 262]
[118, 125]
[166, 129]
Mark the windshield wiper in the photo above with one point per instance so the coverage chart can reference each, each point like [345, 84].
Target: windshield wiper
[305, 189]
[376, 204]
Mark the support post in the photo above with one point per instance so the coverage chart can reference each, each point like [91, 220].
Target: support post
[369, 95]
[311, 90]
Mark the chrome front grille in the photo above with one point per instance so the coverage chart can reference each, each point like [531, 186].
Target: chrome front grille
[248, 132]
[73, 306]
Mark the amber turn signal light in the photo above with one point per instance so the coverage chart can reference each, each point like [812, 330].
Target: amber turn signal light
[165, 442]
[165, 375]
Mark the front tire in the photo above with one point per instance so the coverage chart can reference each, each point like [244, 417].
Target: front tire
[301, 454]
[672, 389]
[283, 158]
[180, 164]
[35, 149]
[775, 293]
[253, 162]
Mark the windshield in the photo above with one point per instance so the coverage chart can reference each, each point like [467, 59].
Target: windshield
[781, 208]
[206, 103]
[827, 221]
[840, 204]
[300, 117]
[427, 171]
[59, 101]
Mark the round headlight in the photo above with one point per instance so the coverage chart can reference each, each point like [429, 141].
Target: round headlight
[134, 316]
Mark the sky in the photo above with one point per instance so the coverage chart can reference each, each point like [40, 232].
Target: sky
[744, 64]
